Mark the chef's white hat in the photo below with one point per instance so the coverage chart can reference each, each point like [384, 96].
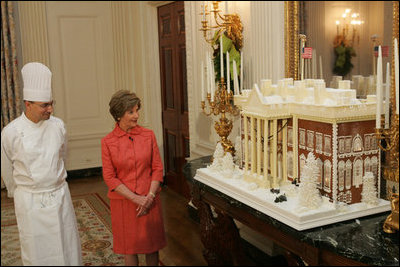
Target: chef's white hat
[37, 82]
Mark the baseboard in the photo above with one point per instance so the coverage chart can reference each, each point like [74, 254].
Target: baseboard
[74, 174]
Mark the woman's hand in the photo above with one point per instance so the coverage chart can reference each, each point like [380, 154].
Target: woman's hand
[145, 204]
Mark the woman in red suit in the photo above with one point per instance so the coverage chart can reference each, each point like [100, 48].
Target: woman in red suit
[133, 171]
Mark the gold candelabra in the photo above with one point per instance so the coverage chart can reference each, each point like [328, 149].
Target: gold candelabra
[221, 106]
[214, 25]
[390, 137]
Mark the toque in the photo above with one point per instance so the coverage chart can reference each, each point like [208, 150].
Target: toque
[37, 82]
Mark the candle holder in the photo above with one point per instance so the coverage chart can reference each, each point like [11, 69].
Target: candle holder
[228, 23]
[390, 137]
[222, 106]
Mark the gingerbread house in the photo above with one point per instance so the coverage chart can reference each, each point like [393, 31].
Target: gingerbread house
[281, 124]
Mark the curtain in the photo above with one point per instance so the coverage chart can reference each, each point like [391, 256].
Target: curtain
[11, 104]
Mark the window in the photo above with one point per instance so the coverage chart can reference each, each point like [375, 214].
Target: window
[367, 164]
[310, 139]
[342, 167]
[302, 139]
[348, 174]
[373, 143]
[290, 136]
[341, 146]
[347, 146]
[357, 172]
[321, 173]
[367, 142]
[327, 175]
[357, 143]
[327, 144]
[318, 142]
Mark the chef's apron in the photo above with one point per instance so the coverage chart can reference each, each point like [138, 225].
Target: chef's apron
[47, 227]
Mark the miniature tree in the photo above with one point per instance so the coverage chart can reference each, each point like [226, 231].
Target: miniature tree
[309, 195]
[227, 166]
[217, 158]
[369, 194]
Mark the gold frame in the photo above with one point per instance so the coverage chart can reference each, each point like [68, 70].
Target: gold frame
[292, 39]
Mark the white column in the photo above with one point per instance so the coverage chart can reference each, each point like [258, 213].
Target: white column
[253, 146]
[246, 143]
[295, 146]
[284, 150]
[266, 152]
[258, 146]
[275, 153]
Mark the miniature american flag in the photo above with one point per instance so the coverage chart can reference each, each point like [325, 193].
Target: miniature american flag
[307, 52]
[385, 51]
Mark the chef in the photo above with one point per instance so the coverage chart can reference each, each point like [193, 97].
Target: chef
[33, 152]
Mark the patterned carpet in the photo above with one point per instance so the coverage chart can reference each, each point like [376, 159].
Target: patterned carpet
[94, 223]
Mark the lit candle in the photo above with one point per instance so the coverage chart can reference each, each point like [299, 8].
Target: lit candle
[226, 7]
[241, 71]
[387, 97]
[228, 74]
[235, 79]
[202, 81]
[337, 27]
[379, 90]
[221, 49]
[396, 73]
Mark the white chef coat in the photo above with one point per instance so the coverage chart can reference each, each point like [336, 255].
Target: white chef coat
[32, 167]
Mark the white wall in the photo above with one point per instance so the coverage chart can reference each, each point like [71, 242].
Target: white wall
[94, 49]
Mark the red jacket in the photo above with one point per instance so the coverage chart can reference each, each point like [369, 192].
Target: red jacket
[132, 159]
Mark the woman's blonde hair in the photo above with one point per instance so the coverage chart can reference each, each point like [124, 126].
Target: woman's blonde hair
[121, 101]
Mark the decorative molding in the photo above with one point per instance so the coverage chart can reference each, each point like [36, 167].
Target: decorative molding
[33, 27]
[190, 22]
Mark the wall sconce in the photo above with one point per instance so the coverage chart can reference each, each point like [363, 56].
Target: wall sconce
[347, 35]
[347, 28]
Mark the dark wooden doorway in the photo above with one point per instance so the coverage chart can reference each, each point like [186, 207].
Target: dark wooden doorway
[171, 32]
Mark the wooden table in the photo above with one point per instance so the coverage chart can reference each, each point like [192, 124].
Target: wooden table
[353, 242]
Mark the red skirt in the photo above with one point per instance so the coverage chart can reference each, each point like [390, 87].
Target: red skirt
[136, 235]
